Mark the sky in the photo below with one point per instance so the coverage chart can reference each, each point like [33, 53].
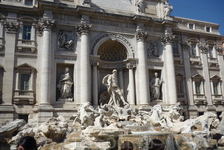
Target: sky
[204, 10]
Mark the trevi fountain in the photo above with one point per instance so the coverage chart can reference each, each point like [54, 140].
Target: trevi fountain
[115, 124]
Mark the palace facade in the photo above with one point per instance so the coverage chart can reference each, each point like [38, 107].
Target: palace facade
[46, 44]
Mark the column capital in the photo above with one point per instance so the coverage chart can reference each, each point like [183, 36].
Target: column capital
[130, 65]
[140, 35]
[11, 26]
[83, 28]
[168, 37]
[203, 47]
[186, 45]
[218, 48]
[45, 24]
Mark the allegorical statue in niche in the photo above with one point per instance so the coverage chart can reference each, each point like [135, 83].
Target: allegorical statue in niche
[116, 95]
[65, 41]
[167, 9]
[65, 85]
[140, 6]
[155, 84]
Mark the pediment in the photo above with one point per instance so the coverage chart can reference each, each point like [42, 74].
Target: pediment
[25, 66]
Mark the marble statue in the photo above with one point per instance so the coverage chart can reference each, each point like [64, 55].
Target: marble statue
[65, 85]
[140, 6]
[155, 84]
[116, 95]
[83, 116]
[167, 9]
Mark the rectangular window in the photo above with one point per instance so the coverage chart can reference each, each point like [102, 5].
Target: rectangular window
[207, 29]
[191, 26]
[198, 87]
[215, 88]
[180, 87]
[193, 49]
[175, 48]
[24, 82]
[26, 32]
[29, 2]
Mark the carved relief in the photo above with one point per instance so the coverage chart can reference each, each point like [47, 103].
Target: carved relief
[83, 28]
[11, 27]
[65, 40]
[153, 49]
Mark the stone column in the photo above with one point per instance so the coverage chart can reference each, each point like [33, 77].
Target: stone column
[95, 83]
[120, 82]
[169, 67]
[204, 50]
[17, 80]
[143, 92]
[45, 66]
[31, 80]
[84, 68]
[131, 92]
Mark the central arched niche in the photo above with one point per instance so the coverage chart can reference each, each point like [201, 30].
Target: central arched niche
[112, 50]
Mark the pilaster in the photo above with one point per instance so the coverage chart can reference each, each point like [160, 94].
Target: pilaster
[204, 50]
[6, 108]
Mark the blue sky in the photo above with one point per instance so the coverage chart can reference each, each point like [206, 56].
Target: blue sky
[204, 10]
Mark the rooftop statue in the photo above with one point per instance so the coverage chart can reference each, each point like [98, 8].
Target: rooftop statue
[167, 9]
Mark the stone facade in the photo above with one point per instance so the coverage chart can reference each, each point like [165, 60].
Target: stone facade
[39, 39]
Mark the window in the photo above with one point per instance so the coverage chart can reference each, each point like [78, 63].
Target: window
[193, 49]
[198, 87]
[215, 85]
[24, 92]
[179, 87]
[29, 2]
[215, 88]
[24, 82]
[207, 29]
[191, 26]
[175, 48]
[26, 32]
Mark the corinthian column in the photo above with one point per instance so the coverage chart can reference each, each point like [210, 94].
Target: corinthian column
[143, 90]
[84, 71]
[45, 62]
[169, 67]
